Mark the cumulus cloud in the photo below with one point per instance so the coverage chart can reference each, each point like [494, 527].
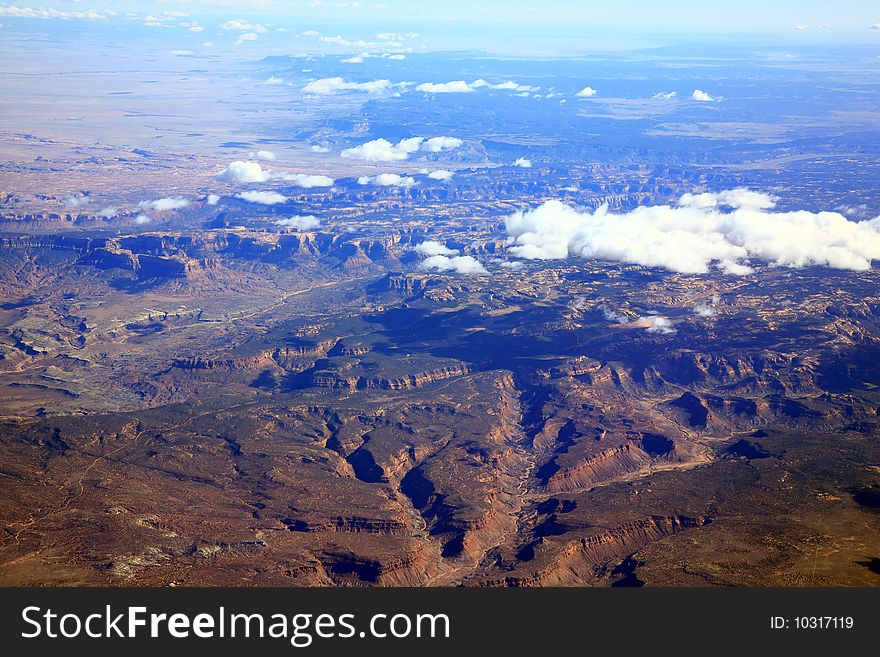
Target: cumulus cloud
[213, 199]
[707, 308]
[586, 92]
[657, 324]
[523, 163]
[465, 265]
[74, 202]
[454, 87]
[612, 315]
[273, 80]
[329, 86]
[440, 174]
[388, 180]
[243, 26]
[437, 144]
[303, 222]
[702, 97]
[319, 148]
[263, 198]
[801, 27]
[241, 172]
[725, 230]
[247, 36]
[29, 12]
[108, 212]
[164, 204]
[263, 155]
[142, 219]
[433, 248]
[382, 150]
[462, 87]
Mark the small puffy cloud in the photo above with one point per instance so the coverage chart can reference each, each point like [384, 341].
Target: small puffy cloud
[612, 315]
[142, 219]
[213, 199]
[273, 80]
[241, 173]
[310, 33]
[801, 27]
[74, 202]
[398, 56]
[437, 144]
[243, 26]
[303, 222]
[465, 265]
[725, 230]
[263, 155]
[433, 248]
[462, 87]
[164, 204]
[263, 198]
[388, 180]
[657, 324]
[382, 150]
[702, 97]
[586, 92]
[247, 36]
[182, 53]
[707, 308]
[319, 148]
[357, 59]
[455, 87]
[108, 212]
[665, 95]
[441, 174]
[523, 163]
[196, 28]
[329, 86]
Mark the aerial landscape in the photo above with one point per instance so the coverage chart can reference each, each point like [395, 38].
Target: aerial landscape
[343, 294]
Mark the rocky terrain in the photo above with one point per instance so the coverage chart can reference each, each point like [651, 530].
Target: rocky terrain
[237, 406]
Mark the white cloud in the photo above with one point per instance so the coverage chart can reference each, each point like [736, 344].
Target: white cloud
[612, 315]
[388, 180]
[382, 150]
[523, 163]
[247, 36]
[441, 174]
[433, 248]
[303, 222]
[328, 86]
[801, 27]
[108, 212]
[665, 95]
[213, 199]
[243, 26]
[466, 265]
[263, 198]
[875, 26]
[164, 204]
[73, 202]
[702, 96]
[437, 144]
[726, 230]
[142, 219]
[182, 53]
[707, 308]
[586, 92]
[196, 28]
[273, 80]
[455, 87]
[657, 324]
[398, 56]
[29, 12]
[357, 59]
[263, 155]
[241, 173]
[318, 148]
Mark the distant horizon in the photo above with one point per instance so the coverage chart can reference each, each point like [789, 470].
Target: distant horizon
[242, 29]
